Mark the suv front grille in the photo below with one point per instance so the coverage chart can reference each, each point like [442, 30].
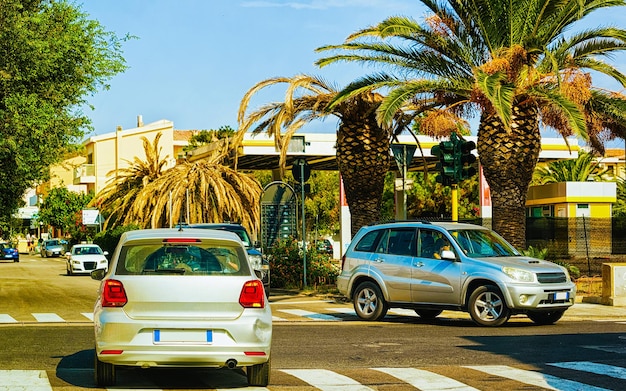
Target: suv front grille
[551, 278]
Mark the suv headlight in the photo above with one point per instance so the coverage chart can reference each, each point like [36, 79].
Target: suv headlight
[519, 274]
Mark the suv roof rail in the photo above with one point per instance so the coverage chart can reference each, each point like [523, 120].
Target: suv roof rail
[401, 221]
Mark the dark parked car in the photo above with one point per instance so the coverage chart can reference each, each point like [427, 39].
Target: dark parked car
[9, 252]
[257, 260]
[324, 246]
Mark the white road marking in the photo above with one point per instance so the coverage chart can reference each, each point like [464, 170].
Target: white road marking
[592, 367]
[327, 380]
[310, 315]
[20, 380]
[47, 317]
[4, 318]
[426, 380]
[88, 315]
[536, 379]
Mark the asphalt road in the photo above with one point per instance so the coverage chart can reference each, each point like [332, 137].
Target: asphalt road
[316, 345]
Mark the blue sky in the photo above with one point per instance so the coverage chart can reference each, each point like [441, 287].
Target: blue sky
[194, 60]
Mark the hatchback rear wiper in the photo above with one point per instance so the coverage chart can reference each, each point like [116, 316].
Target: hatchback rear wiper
[172, 271]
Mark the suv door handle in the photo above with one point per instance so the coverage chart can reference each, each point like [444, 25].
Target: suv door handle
[418, 264]
[379, 260]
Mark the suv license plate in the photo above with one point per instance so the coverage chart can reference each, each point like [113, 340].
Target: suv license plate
[561, 296]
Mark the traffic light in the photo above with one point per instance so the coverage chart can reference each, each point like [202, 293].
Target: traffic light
[445, 151]
[455, 160]
[467, 160]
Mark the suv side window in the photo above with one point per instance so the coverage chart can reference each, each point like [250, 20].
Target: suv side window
[432, 242]
[369, 241]
[402, 241]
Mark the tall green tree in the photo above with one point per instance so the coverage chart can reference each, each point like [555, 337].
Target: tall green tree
[363, 155]
[62, 209]
[509, 62]
[52, 56]
[585, 167]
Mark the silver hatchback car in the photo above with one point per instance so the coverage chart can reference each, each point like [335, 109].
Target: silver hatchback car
[181, 298]
[431, 267]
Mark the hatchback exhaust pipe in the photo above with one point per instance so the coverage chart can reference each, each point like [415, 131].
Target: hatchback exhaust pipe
[231, 363]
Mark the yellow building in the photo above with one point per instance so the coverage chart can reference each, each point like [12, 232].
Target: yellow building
[584, 209]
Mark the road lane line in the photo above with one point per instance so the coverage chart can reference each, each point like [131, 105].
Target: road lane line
[536, 379]
[19, 380]
[592, 367]
[327, 380]
[426, 380]
[88, 315]
[47, 317]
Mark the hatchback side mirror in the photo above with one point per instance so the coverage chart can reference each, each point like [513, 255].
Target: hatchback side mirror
[98, 274]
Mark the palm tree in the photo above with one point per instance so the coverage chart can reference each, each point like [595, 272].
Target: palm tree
[509, 62]
[362, 144]
[619, 208]
[582, 169]
[200, 191]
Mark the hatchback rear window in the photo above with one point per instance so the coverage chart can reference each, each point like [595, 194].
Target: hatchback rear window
[182, 259]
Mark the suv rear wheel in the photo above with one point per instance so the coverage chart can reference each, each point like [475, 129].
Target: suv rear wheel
[369, 302]
[487, 306]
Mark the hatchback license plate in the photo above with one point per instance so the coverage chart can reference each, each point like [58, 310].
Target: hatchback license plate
[182, 336]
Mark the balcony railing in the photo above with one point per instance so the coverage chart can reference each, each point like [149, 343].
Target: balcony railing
[85, 173]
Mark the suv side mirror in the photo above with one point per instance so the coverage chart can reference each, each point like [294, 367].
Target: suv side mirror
[448, 254]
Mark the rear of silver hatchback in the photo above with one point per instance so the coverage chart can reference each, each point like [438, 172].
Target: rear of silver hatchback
[182, 298]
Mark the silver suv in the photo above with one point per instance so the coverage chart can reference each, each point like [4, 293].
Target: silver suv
[431, 267]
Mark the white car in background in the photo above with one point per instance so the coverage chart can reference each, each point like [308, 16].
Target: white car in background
[84, 258]
[181, 298]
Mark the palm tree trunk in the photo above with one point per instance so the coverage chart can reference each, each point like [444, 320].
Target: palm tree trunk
[363, 159]
[508, 158]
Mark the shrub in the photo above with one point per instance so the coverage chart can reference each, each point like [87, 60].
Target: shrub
[107, 240]
[287, 266]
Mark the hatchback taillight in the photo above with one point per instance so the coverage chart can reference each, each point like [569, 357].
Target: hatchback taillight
[113, 294]
[252, 295]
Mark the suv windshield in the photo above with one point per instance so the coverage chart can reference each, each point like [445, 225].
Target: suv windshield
[482, 243]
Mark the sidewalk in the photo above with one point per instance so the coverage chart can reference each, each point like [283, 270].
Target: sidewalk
[595, 311]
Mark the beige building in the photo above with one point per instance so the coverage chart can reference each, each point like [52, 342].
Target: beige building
[107, 153]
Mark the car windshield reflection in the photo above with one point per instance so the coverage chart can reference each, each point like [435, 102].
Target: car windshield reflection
[483, 243]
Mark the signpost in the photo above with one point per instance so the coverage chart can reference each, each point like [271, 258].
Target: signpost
[403, 154]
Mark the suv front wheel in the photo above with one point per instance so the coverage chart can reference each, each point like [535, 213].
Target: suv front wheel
[487, 306]
[369, 302]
